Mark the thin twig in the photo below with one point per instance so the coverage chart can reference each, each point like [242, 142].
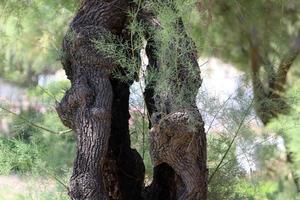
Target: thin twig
[247, 150]
[56, 178]
[143, 153]
[65, 131]
[48, 93]
[34, 124]
[232, 141]
[243, 152]
[216, 114]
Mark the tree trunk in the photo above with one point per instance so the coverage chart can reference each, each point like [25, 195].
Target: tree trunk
[96, 108]
[86, 108]
[163, 186]
[177, 135]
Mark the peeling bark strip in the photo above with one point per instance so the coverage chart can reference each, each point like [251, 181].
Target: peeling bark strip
[87, 105]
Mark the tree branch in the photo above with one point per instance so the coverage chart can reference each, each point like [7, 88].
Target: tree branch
[33, 124]
[286, 64]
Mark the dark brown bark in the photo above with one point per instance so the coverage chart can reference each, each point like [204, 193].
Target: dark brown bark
[177, 136]
[96, 108]
[163, 186]
[87, 106]
[178, 141]
[130, 166]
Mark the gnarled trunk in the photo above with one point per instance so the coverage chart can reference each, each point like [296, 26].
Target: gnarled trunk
[96, 108]
[177, 135]
[87, 106]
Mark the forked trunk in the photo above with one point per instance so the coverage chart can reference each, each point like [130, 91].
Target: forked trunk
[96, 108]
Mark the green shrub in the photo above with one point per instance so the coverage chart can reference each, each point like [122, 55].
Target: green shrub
[17, 156]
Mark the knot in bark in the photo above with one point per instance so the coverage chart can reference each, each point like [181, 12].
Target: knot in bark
[175, 135]
[77, 96]
[176, 140]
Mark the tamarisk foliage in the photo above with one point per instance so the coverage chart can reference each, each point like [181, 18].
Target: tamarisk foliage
[100, 57]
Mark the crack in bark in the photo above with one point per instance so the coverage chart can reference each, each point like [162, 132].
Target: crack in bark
[87, 105]
[96, 108]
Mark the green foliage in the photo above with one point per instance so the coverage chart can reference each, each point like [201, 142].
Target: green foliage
[288, 126]
[30, 148]
[17, 156]
[227, 35]
[227, 175]
[49, 95]
[125, 53]
[172, 41]
[250, 190]
[31, 33]
[139, 137]
[22, 131]
[32, 153]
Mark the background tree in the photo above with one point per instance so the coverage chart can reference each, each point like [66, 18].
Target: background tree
[30, 38]
[265, 48]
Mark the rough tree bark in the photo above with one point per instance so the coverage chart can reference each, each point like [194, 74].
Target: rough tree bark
[177, 135]
[96, 109]
[163, 186]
